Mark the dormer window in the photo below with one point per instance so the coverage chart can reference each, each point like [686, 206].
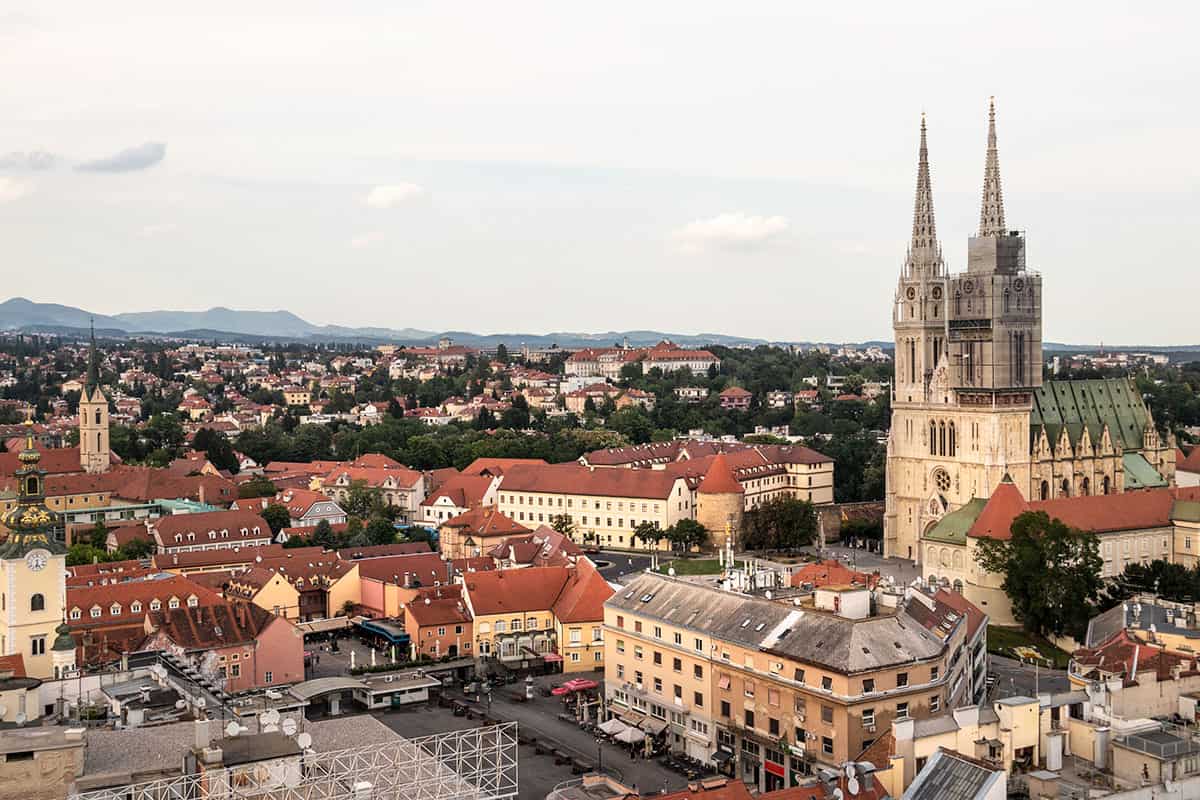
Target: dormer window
[173, 603]
[179, 537]
[136, 606]
[193, 601]
[155, 605]
[115, 609]
[76, 613]
[96, 612]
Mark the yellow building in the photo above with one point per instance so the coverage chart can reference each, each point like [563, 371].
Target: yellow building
[297, 397]
[267, 590]
[33, 571]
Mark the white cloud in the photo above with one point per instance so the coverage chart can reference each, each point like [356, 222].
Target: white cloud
[13, 189]
[160, 229]
[732, 231]
[392, 195]
[366, 240]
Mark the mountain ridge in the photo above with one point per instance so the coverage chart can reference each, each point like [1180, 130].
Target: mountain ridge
[219, 322]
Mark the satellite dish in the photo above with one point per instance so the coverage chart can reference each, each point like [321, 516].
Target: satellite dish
[181, 704]
[304, 740]
[3, 712]
[21, 718]
[852, 785]
[289, 727]
[232, 729]
[270, 717]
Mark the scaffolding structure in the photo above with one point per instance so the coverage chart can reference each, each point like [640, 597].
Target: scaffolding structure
[475, 764]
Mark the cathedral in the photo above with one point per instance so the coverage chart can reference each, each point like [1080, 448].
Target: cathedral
[969, 405]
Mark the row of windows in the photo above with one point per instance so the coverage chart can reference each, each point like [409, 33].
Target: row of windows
[224, 534]
[657, 686]
[519, 499]
[504, 626]
[134, 608]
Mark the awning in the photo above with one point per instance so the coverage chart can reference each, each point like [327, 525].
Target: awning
[654, 726]
[721, 756]
[552, 657]
[632, 718]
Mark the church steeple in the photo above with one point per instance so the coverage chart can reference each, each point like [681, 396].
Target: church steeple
[991, 211]
[924, 253]
[93, 370]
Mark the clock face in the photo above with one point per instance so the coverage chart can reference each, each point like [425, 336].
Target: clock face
[37, 560]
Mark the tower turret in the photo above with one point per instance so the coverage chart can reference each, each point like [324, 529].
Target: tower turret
[93, 417]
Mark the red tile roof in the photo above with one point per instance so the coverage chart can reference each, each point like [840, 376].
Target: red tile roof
[211, 627]
[14, 664]
[464, 491]
[1005, 505]
[580, 480]
[719, 478]
[975, 616]
[497, 466]
[219, 523]
[486, 521]
[583, 596]
[508, 590]
[1125, 656]
[423, 569]
[381, 550]
[439, 606]
[832, 573]
[124, 595]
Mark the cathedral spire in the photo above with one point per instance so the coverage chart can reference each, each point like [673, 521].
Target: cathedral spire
[924, 255]
[991, 211]
[93, 370]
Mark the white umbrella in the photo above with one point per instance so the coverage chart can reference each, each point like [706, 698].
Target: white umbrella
[630, 736]
[613, 726]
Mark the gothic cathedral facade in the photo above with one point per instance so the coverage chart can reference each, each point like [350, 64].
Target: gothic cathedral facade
[969, 404]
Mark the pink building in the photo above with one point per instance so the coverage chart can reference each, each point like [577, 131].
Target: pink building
[247, 646]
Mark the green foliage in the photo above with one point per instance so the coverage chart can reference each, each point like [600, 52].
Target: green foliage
[687, 534]
[1052, 573]
[862, 529]
[1167, 580]
[362, 501]
[564, 525]
[649, 534]
[257, 487]
[380, 530]
[782, 523]
[216, 449]
[633, 423]
[78, 554]
[277, 517]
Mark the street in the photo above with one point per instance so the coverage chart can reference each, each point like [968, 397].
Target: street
[1014, 678]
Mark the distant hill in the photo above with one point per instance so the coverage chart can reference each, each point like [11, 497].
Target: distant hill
[254, 327]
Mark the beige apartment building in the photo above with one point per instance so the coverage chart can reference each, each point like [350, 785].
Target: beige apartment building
[605, 505]
[772, 689]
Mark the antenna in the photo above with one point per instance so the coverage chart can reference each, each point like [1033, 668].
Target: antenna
[304, 740]
[232, 729]
[289, 727]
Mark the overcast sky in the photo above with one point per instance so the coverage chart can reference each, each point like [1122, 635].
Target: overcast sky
[744, 168]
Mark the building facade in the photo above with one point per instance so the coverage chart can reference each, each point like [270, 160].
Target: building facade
[969, 405]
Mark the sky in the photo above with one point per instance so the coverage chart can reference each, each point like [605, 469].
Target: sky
[741, 168]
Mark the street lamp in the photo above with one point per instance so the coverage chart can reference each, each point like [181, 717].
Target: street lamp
[599, 756]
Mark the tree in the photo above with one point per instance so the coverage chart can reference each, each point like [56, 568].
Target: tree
[632, 423]
[564, 525]
[362, 500]
[82, 553]
[687, 534]
[781, 523]
[257, 487]
[1051, 573]
[134, 550]
[216, 449]
[380, 530]
[502, 353]
[98, 538]
[355, 535]
[277, 517]
[649, 534]
[322, 535]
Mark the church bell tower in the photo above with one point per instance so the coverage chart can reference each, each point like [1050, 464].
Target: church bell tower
[93, 418]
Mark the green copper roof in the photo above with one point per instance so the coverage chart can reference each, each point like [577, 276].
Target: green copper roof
[1139, 474]
[1185, 511]
[952, 528]
[1091, 404]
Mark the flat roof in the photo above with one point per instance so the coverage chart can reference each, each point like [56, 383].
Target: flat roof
[21, 740]
[319, 686]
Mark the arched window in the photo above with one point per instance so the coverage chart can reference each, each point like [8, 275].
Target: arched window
[1045, 493]
[37, 603]
[1085, 488]
[957, 303]
[1066, 488]
[1107, 485]
[951, 451]
[958, 586]
[942, 438]
[99, 441]
[31, 485]
[932, 438]
[97, 416]
[1006, 299]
